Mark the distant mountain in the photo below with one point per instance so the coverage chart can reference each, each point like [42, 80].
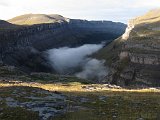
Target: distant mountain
[30, 19]
[134, 58]
[26, 38]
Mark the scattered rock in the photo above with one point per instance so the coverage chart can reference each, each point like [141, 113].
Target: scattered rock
[140, 119]
[102, 98]
[84, 100]
[48, 105]
[100, 87]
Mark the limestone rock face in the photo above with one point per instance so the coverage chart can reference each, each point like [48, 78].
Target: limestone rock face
[142, 49]
[127, 73]
[123, 55]
[134, 58]
[149, 59]
[145, 59]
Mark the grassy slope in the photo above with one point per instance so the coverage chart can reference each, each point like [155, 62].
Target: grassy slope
[30, 19]
[150, 17]
[118, 106]
[110, 52]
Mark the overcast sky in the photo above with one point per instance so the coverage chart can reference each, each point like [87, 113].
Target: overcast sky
[115, 10]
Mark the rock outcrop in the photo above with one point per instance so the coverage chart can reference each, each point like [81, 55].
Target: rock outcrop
[148, 59]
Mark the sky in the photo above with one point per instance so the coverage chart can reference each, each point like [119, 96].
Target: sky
[114, 10]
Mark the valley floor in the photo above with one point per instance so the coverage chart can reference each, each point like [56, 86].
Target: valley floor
[21, 100]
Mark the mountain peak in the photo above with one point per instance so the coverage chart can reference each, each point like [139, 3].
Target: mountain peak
[30, 19]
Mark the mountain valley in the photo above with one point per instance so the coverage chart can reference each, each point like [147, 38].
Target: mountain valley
[57, 68]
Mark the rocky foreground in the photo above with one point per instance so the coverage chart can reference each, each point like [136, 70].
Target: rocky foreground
[76, 101]
[45, 104]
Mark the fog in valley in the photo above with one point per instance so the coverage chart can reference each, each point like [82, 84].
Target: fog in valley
[76, 61]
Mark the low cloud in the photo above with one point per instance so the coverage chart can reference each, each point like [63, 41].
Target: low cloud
[67, 60]
[93, 69]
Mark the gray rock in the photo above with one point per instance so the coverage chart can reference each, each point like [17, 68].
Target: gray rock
[103, 98]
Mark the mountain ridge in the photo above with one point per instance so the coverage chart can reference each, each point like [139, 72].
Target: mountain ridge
[134, 58]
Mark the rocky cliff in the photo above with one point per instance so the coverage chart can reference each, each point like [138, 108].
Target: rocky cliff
[134, 58]
[24, 38]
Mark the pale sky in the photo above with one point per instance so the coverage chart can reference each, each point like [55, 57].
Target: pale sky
[114, 10]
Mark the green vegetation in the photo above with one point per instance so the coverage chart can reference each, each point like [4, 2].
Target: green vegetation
[13, 72]
[6, 71]
[122, 64]
[51, 78]
[110, 52]
[99, 105]
[18, 114]
[118, 106]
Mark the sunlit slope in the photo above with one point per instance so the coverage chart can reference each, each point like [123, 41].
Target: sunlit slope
[150, 17]
[30, 19]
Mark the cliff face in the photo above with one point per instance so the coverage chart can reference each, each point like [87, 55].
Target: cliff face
[136, 55]
[25, 38]
[146, 59]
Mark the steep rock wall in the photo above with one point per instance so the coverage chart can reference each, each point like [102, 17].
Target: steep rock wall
[149, 59]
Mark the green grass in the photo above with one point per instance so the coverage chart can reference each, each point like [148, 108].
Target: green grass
[6, 71]
[43, 78]
[18, 114]
[118, 106]
[51, 78]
